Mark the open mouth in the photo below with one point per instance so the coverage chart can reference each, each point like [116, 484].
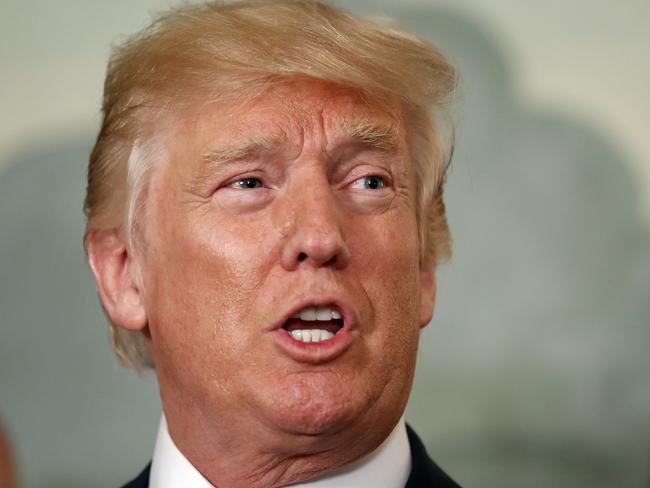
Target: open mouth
[314, 324]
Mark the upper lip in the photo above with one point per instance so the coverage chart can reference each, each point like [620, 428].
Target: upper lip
[348, 314]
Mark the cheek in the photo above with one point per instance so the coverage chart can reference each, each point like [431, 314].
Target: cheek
[201, 278]
[388, 251]
[389, 271]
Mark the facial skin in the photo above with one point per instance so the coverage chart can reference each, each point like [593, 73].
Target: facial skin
[234, 247]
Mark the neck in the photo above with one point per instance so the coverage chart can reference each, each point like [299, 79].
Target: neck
[245, 454]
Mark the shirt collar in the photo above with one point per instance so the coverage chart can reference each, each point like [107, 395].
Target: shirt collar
[388, 466]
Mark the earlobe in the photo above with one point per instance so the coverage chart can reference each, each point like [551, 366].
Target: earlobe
[427, 291]
[109, 261]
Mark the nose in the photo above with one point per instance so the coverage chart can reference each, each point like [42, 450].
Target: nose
[312, 231]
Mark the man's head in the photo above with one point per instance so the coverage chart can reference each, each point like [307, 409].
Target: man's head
[268, 176]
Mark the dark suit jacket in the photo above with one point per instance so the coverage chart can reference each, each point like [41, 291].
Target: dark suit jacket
[424, 472]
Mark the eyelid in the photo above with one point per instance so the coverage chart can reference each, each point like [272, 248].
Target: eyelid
[365, 170]
[383, 179]
[248, 174]
[233, 182]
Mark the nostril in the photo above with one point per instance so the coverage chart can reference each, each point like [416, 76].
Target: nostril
[306, 250]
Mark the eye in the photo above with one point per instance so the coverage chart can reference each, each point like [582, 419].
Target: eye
[371, 182]
[247, 183]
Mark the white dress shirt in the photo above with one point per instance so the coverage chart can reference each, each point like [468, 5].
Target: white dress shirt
[388, 466]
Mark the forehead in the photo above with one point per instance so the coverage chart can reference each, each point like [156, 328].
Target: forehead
[288, 109]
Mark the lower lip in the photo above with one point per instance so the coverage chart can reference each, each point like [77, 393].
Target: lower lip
[315, 352]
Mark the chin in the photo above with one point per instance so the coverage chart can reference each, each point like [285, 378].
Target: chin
[313, 406]
[321, 422]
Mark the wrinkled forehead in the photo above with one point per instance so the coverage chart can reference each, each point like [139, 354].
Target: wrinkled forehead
[286, 112]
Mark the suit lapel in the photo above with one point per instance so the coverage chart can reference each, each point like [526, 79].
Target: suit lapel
[424, 472]
[142, 481]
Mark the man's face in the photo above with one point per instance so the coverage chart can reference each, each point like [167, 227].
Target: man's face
[302, 199]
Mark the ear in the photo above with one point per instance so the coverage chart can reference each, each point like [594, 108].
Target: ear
[427, 290]
[110, 261]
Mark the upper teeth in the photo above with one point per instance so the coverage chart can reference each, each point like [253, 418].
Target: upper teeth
[317, 313]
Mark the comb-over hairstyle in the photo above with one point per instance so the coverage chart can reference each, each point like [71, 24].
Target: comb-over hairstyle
[208, 53]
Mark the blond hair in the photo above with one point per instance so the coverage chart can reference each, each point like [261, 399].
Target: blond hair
[217, 49]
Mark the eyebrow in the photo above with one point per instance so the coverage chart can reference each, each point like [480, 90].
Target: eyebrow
[371, 135]
[218, 160]
[382, 138]
[367, 134]
[255, 145]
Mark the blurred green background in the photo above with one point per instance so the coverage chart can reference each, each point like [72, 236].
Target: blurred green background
[535, 370]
